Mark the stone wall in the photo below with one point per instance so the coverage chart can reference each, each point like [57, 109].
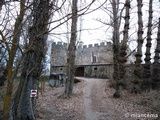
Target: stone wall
[98, 71]
[58, 69]
[84, 54]
[102, 53]
[58, 54]
[96, 59]
[94, 71]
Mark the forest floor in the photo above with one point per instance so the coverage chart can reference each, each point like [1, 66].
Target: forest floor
[92, 100]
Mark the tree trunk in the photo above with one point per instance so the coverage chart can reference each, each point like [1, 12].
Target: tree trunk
[23, 106]
[146, 84]
[122, 52]
[156, 64]
[123, 46]
[138, 67]
[116, 47]
[12, 54]
[71, 51]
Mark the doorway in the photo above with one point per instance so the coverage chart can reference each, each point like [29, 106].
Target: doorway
[79, 72]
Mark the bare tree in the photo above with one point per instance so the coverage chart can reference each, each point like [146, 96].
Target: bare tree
[71, 51]
[23, 106]
[146, 84]
[156, 64]
[116, 16]
[122, 52]
[115, 6]
[138, 67]
[11, 72]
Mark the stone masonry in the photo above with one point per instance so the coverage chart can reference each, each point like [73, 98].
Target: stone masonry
[91, 61]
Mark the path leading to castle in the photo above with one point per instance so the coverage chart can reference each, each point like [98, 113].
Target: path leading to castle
[98, 102]
[91, 100]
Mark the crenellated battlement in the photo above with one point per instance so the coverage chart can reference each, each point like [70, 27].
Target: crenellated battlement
[55, 44]
[98, 53]
[95, 45]
[81, 46]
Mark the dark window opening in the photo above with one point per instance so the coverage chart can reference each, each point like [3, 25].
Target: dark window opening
[94, 59]
[95, 68]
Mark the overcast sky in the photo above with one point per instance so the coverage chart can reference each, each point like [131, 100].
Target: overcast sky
[94, 31]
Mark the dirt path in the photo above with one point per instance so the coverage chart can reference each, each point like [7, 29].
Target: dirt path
[92, 100]
[100, 105]
[89, 113]
[94, 95]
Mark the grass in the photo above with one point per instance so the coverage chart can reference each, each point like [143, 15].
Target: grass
[44, 78]
[15, 86]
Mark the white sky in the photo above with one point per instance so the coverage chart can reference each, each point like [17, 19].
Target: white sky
[94, 31]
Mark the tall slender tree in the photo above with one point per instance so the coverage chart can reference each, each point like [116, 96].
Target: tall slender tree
[156, 64]
[138, 67]
[122, 52]
[71, 51]
[147, 66]
[115, 8]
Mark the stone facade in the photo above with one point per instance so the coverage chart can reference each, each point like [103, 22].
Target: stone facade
[94, 54]
[91, 61]
[58, 54]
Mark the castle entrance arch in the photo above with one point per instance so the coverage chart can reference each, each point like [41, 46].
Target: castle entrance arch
[79, 72]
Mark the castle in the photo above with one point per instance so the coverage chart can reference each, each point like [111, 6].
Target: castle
[91, 61]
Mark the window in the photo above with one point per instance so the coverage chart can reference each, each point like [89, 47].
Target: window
[94, 59]
[95, 68]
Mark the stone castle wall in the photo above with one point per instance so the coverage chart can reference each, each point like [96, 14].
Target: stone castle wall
[100, 66]
[84, 54]
[58, 54]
